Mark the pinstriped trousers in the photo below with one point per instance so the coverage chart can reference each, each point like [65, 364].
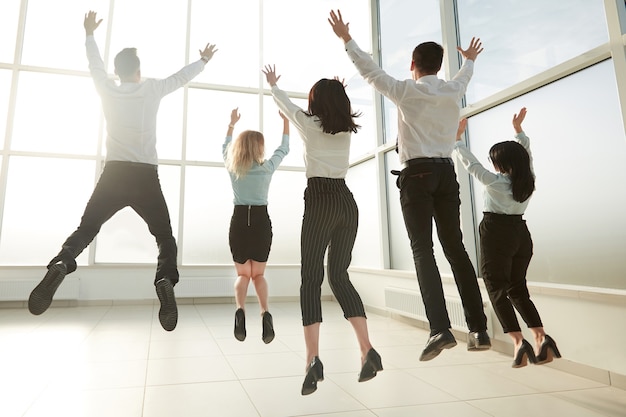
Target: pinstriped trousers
[330, 222]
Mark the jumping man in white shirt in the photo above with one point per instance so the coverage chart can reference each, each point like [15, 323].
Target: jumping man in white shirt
[130, 176]
[428, 114]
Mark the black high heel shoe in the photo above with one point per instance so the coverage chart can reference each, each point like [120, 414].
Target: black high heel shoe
[371, 366]
[548, 351]
[240, 325]
[524, 354]
[314, 373]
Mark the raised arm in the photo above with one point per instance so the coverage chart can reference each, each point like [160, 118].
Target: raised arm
[285, 123]
[473, 50]
[207, 53]
[234, 118]
[461, 129]
[518, 118]
[340, 28]
[91, 23]
[270, 75]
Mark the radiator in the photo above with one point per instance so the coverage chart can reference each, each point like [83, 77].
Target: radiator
[19, 289]
[409, 303]
[207, 287]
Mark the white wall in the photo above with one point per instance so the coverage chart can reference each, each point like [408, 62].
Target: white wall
[587, 323]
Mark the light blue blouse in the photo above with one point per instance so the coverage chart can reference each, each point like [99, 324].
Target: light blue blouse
[252, 189]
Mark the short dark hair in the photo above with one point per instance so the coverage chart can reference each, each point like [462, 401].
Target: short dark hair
[329, 102]
[511, 158]
[428, 57]
[126, 62]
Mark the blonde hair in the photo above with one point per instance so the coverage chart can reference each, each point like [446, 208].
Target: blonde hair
[249, 147]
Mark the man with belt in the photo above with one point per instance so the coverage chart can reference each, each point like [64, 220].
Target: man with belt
[428, 117]
[130, 175]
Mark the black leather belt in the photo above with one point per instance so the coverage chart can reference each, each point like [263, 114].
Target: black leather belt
[418, 161]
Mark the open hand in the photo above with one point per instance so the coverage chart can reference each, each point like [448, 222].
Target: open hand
[340, 28]
[234, 116]
[475, 48]
[518, 119]
[90, 23]
[208, 52]
[270, 74]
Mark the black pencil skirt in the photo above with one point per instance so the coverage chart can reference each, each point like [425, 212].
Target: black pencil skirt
[250, 234]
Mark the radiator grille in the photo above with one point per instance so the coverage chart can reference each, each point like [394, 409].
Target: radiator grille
[207, 287]
[409, 303]
[19, 289]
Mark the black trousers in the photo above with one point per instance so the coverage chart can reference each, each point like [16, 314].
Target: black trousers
[505, 251]
[330, 222]
[429, 190]
[125, 184]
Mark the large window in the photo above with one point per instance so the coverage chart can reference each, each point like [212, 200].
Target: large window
[577, 140]
[522, 39]
[55, 132]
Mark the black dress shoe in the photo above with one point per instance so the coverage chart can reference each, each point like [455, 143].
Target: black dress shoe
[548, 351]
[268, 328]
[437, 343]
[371, 366]
[41, 297]
[524, 354]
[477, 341]
[314, 373]
[240, 325]
[168, 313]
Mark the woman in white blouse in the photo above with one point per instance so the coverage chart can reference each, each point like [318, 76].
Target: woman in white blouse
[330, 218]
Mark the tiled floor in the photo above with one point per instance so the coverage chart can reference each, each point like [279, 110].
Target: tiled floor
[118, 361]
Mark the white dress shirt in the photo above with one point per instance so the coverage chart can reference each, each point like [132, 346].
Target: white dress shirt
[325, 155]
[428, 108]
[130, 109]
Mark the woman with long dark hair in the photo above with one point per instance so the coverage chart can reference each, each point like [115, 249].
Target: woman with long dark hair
[330, 218]
[506, 246]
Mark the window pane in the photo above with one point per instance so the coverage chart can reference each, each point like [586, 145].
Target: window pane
[305, 50]
[286, 207]
[403, 25]
[208, 207]
[44, 202]
[56, 113]
[208, 117]
[9, 18]
[170, 126]
[522, 39]
[273, 128]
[125, 238]
[158, 32]
[576, 214]
[237, 60]
[54, 34]
[361, 180]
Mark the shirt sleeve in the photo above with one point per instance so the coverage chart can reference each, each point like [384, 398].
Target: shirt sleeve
[279, 154]
[464, 75]
[524, 140]
[96, 65]
[177, 80]
[471, 164]
[227, 142]
[373, 74]
[294, 113]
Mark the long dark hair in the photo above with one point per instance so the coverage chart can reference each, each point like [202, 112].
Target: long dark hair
[329, 102]
[511, 158]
